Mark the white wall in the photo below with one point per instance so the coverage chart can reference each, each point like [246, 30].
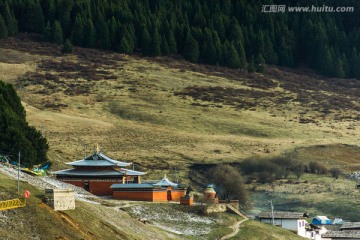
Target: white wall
[295, 225]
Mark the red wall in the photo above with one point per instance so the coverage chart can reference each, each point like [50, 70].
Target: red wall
[95, 187]
[141, 196]
[152, 196]
[177, 194]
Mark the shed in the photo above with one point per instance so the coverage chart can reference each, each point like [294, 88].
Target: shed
[350, 226]
[353, 234]
[321, 220]
[294, 221]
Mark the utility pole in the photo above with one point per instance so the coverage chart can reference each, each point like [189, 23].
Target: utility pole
[272, 211]
[19, 173]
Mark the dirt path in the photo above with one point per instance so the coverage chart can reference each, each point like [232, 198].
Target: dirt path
[235, 229]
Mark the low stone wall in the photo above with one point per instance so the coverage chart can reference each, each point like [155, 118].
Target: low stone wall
[215, 208]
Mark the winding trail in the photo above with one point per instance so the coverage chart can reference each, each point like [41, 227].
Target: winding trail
[235, 228]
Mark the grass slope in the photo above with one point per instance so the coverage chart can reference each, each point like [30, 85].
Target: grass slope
[87, 221]
[163, 113]
[253, 230]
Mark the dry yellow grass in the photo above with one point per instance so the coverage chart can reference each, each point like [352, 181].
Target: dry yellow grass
[135, 116]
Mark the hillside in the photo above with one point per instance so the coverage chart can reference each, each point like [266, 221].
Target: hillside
[236, 34]
[88, 221]
[164, 113]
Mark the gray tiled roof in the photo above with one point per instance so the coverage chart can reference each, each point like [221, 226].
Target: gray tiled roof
[165, 182]
[75, 172]
[350, 225]
[98, 159]
[282, 215]
[130, 172]
[132, 185]
[353, 234]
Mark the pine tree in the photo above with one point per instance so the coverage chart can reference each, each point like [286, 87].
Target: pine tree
[78, 31]
[326, 63]
[145, 40]
[56, 33]
[155, 41]
[191, 49]
[127, 42]
[32, 19]
[3, 29]
[171, 43]
[113, 30]
[269, 53]
[10, 21]
[355, 63]
[259, 64]
[251, 66]
[103, 35]
[241, 52]
[165, 50]
[47, 32]
[89, 35]
[68, 47]
[233, 60]
[208, 52]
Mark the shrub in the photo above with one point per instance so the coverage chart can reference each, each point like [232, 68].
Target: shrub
[229, 183]
[335, 172]
[68, 47]
[316, 167]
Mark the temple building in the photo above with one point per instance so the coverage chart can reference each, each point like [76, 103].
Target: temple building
[161, 191]
[97, 172]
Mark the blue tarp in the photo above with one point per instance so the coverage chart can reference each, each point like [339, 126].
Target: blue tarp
[320, 220]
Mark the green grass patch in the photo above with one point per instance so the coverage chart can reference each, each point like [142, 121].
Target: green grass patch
[253, 230]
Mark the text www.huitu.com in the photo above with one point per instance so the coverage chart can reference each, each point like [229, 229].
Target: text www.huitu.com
[308, 9]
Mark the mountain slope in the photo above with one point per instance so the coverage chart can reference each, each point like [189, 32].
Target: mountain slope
[165, 113]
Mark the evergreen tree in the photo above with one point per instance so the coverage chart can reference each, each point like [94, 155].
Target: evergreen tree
[155, 41]
[355, 63]
[251, 66]
[113, 30]
[165, 50]
[269, 53]
[127, 42]
[241, 53]
[10, 20]
[171, 43]
[56, 33]
[145, 40]
[78, 31]
[209, 54]
[16, 135]
[284, 39]
[89, 35]
[191, 49]
[104, 34]
[67, 47]
[3, 29]
[233, 60]
[32, 18]
[47, 32]
[259, 64]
